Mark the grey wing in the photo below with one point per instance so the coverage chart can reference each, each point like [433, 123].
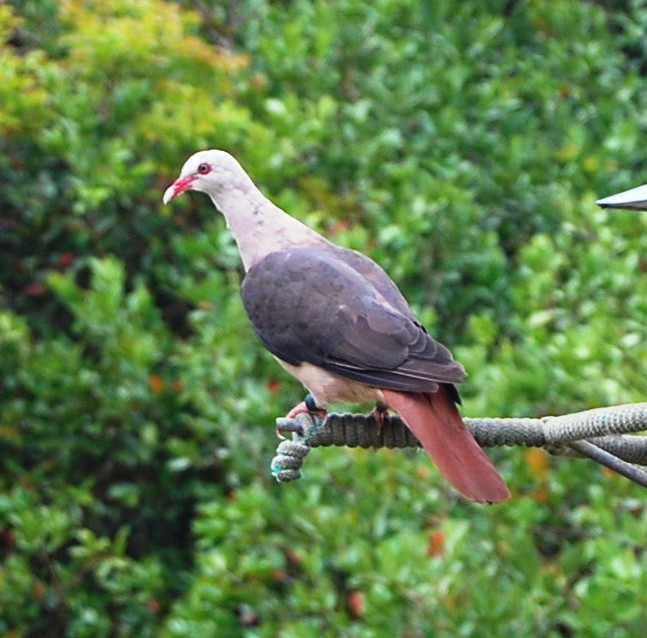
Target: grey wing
[375, 275]
[308, 305]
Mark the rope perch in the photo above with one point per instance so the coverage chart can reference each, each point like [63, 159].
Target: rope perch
[604, 435]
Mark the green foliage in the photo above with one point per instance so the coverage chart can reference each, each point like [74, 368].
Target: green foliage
[462, 145]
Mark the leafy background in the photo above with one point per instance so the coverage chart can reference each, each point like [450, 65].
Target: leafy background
[463, 146]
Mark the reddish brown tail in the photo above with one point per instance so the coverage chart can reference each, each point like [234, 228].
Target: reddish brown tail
[437, 424]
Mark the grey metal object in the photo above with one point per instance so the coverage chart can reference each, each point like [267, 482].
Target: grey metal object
[633, 199]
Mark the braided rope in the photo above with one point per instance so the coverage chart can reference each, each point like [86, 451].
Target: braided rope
[604, 435]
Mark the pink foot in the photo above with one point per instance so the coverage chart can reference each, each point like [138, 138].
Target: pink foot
[302, 408]
[308, 406]
[379, 413]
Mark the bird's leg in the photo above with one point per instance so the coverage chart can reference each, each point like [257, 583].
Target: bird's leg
[379, 413]
[307, 406]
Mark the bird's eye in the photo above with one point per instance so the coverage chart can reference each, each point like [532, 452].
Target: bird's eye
[204, 168]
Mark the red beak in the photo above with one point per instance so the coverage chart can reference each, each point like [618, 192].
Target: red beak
[178, 186]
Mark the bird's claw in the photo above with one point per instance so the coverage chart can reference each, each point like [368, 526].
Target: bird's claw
[379, 414]
[307, 406]
[289, 423]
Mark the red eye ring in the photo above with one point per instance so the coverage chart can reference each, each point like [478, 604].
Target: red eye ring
[204, 168]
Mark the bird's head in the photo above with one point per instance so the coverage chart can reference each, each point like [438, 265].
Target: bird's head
[209, 171]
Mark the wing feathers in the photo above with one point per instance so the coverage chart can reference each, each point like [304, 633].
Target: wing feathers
[312, 305]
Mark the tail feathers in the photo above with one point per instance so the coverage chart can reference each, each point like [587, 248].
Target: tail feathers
[437, 424]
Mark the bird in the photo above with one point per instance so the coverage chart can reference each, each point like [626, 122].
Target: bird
[334, 319]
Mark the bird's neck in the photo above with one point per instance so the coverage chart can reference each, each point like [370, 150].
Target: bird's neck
[259, 227]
